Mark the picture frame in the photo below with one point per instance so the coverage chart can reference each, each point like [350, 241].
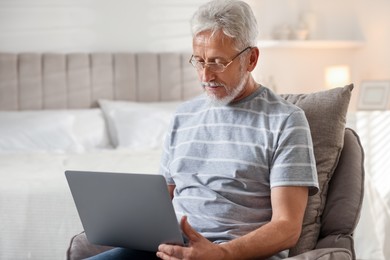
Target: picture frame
[374, 95]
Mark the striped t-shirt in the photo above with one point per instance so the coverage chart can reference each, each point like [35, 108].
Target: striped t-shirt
[224, 160]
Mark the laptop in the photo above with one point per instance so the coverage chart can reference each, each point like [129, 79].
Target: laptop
[127, 210]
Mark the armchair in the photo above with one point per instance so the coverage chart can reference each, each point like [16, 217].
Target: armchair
[332, 214]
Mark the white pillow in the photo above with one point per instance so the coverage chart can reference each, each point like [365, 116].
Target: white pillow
[32, 131]
[137, 125]
[53, 130]
[90, 128]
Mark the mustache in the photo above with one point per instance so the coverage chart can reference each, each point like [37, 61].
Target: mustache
[212, 84]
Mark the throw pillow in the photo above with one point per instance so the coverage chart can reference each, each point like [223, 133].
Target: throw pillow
[326, 113]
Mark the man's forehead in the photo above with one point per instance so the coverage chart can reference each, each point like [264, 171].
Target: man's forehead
[213, 41]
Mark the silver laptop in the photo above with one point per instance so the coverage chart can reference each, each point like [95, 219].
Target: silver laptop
[125, 209]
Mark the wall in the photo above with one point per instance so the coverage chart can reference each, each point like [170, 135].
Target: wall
[157, 25]
[95, 25]
[44, 25]
[302, 70]
[373, 61]
[148, 25]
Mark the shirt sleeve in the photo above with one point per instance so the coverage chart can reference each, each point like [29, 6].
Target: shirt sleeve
[166, 158]
[293, 161]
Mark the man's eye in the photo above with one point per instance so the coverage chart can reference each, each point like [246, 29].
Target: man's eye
[219, 62]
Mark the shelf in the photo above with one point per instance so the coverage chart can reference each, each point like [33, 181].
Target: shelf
[310, 44]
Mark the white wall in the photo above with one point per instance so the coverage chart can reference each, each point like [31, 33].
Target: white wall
[95, 25]
[374, 59]
[44, 25]
[148, 25]
[302, 70]
[162, 25]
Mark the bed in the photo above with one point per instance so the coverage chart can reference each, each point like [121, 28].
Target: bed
[84, 111]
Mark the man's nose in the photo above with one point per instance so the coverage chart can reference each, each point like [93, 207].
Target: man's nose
[207, 74]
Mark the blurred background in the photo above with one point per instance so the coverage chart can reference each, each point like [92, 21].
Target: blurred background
[301, 41]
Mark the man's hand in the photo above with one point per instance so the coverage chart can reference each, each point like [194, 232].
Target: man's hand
[199, 247]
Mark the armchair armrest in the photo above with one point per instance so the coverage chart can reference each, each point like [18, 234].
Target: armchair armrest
[80, 248]
[324, 254]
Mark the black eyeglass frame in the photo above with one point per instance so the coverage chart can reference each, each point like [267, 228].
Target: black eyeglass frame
[201, 65]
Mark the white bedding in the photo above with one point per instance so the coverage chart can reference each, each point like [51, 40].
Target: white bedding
[38, 216]
[37, 213]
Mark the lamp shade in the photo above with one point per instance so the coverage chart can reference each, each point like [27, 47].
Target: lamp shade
[337, 76]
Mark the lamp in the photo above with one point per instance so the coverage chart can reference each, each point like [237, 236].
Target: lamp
[337, 76]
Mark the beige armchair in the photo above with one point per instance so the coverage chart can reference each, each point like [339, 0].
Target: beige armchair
[331, 215]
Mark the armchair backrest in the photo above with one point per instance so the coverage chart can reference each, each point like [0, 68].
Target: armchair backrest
[345, 195]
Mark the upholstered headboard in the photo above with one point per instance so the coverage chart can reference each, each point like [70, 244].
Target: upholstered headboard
[34, 81]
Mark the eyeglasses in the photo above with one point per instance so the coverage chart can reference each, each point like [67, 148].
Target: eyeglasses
[213, 66]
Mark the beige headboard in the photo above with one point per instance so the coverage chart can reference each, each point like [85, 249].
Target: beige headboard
[34, 81]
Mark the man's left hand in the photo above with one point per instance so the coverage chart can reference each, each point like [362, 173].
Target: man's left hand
[199, 247]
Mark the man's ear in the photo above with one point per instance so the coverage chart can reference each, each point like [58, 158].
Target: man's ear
[253, 58]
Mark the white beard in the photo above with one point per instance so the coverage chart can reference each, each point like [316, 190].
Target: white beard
[231, 94]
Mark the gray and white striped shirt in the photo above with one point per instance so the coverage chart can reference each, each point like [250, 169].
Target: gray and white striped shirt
[225, 160]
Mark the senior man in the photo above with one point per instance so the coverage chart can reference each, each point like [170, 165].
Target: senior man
[238, 159]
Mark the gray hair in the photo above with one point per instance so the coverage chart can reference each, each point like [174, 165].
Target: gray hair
[234, 18]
